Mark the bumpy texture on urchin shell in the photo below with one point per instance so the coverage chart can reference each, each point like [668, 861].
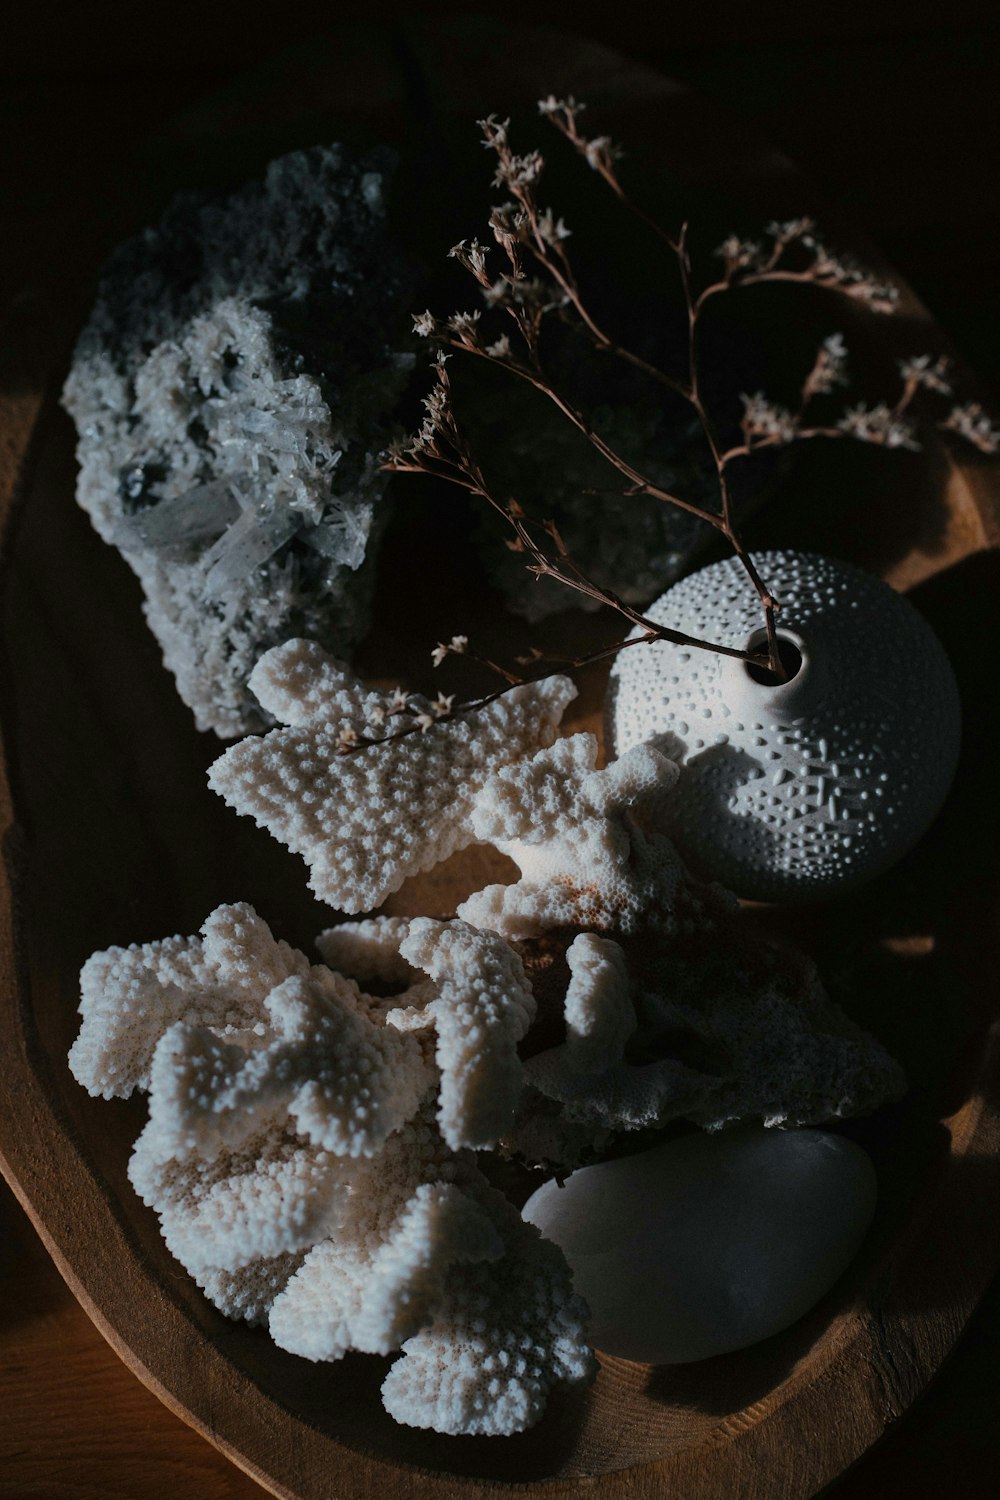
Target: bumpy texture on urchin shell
[797, 791]
[293, 1156]
[365, 821]
[229, 449]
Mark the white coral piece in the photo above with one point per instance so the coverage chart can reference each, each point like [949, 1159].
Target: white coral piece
[734, 1030]
[368, 951]
[345, 1082]
[507, 1331]
[343, 1298]
[294, 1159]
[129, 996]
[248, 1293]
[587, 847]
[365, 821]
[598, 1009]
[483, 1008]
[273, 1195]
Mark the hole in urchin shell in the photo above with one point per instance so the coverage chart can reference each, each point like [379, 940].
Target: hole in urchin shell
[791, 660]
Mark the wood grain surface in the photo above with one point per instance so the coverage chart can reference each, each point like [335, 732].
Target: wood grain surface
[110, 836]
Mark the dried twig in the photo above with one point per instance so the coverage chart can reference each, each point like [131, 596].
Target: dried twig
[538, 280]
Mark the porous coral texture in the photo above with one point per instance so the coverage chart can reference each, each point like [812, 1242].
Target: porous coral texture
[130, 996]
[671, 1009]
[506, 1332]
[587, 846]
[366, 820]
[294, 1155]
[484, 1006]
[726, 1028]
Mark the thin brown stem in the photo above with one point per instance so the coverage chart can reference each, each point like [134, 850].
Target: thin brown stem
[769, 604]
[802, 434]
[562, 567]
[640, 483]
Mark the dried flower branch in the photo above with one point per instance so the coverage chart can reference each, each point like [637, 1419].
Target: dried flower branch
[538, 280]
[441, 450]
[972, 423]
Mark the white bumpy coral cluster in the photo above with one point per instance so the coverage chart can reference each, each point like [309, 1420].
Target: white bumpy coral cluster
[313, 1163]
[313, 1129]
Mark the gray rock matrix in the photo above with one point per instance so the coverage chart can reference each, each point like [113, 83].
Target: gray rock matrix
[232, 390]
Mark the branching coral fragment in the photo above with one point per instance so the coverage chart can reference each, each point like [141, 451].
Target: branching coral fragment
[586, 845]
[365, 821]
[483, 1008]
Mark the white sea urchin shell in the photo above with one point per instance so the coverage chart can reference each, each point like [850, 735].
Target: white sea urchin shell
[791, 791]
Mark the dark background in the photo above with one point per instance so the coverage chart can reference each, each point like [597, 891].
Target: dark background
[892, 110]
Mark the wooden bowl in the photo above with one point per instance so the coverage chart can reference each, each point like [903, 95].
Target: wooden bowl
[110, 836]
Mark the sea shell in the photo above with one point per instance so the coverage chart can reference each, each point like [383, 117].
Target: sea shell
[709, 1243]
[796, 790]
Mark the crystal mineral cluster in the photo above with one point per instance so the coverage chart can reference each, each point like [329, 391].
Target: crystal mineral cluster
[321, 1135]
[232, 392]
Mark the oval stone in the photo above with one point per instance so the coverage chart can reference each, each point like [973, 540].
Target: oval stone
[711, 1242]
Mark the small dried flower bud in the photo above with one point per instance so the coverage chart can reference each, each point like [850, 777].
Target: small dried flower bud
[879, 296]
[508, 222]
[830, 368]
[438, 654]
[442, 704]
[602, 153]
[554, 106]
[458, 644]
[494, 131]
[347, 738]
[878, 424]
[424, 721]
[740, 255]
[932, 375]
[397, 701]
[765, 419]
[519, 172]
[425, 324]
[500, 349]
[846, 275]
[971, 422]
[551, 229]
[472, 256]
[463, 325]
[790, 229]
